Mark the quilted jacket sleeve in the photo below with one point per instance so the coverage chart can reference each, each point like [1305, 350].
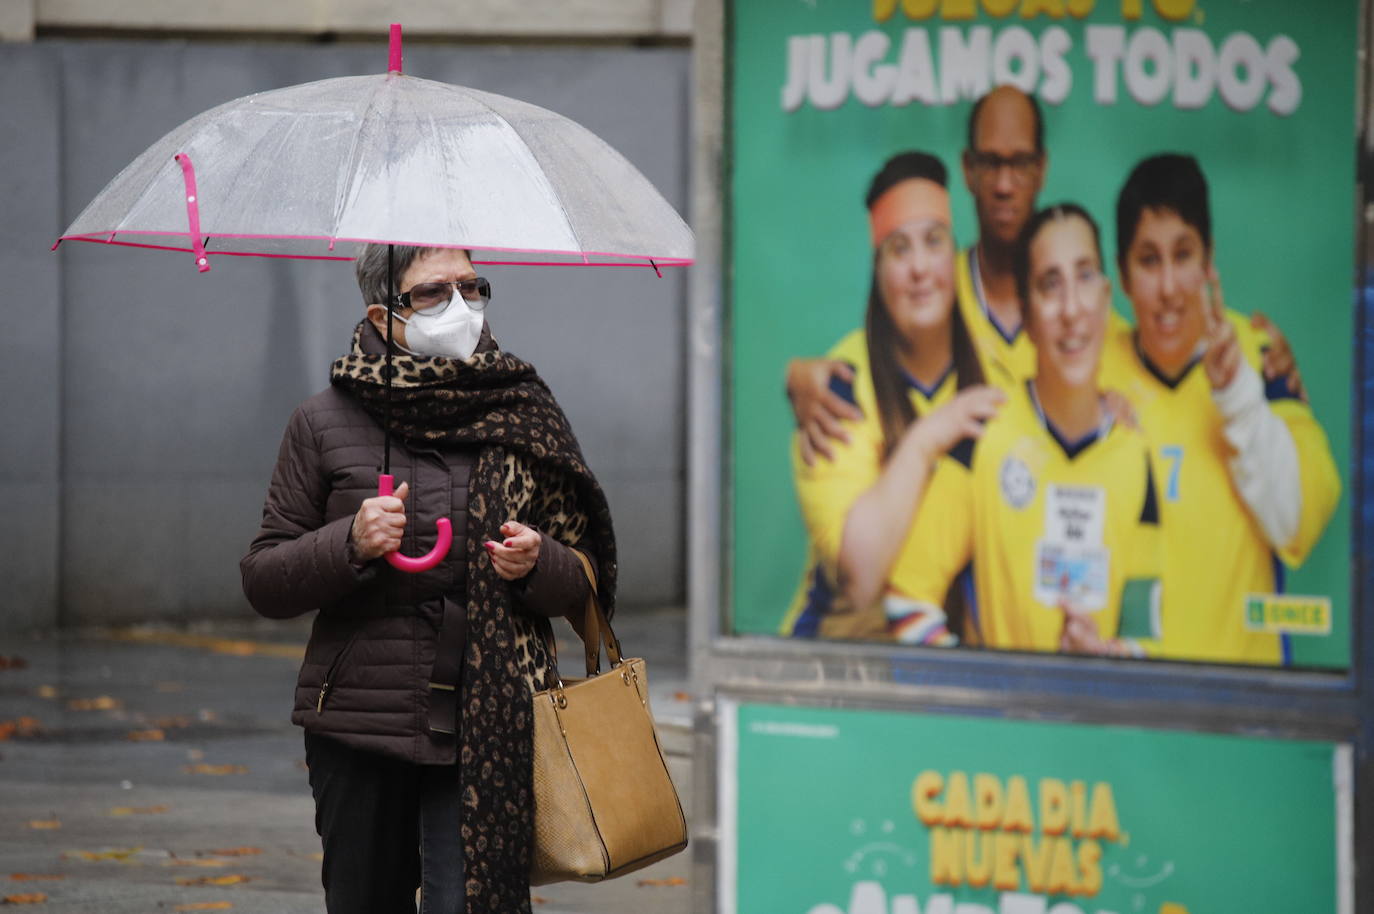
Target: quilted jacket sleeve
[557, 585]
[298, 562]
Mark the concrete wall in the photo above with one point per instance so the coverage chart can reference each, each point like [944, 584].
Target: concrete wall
[651, 20]
[143, 402]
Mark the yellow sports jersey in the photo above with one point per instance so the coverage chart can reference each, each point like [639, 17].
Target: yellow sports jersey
[1008, 358]
[829, 488]
[1046, 523]
[1215, 552]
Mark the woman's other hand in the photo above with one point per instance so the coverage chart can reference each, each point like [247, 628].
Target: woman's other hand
[514, 558]
[379, 523]
[819, 411]
[960, 418]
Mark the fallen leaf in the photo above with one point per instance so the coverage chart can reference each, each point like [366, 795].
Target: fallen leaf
[146, 736]
[671, 880]
[24, 726]
[235, 852]
[538, 899]
[205, 715]
[13, 663]
[170, 686]
[195, 755]
[46, 691]
[682, 696]
[217, 645]
[215, 769]
[118, 853]
[233, 879]
[236, 648]
[175, 722]
[32, 877]
[99, 703]
[139, 810]
[205, 906]
[195, 861]
[26, 898]
[45, 824]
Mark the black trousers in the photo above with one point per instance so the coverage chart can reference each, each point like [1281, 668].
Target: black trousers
[387, 828]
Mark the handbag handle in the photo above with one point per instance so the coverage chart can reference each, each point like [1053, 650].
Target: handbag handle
[594, 629]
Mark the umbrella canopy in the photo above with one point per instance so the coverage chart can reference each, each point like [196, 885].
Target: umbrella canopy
[392, 159]
[389, 159]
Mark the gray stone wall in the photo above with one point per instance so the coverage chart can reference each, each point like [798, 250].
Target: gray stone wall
[143, 402]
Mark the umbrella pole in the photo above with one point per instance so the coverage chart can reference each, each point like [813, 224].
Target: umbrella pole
[390, 311]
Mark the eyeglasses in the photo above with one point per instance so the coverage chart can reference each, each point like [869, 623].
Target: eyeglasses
[1022, 164]
[434, 297]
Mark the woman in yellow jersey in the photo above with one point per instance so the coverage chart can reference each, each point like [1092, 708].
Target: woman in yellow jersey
[1055, 503]
[917, 386]
[1246, 474]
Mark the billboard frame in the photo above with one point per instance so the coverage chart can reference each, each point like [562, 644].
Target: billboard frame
[1337, 706]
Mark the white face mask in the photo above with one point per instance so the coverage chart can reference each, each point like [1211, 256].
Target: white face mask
[450, 335]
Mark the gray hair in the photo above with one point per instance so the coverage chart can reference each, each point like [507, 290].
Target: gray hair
[370, 268]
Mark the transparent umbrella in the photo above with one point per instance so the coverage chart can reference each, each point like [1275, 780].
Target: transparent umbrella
[389, 159]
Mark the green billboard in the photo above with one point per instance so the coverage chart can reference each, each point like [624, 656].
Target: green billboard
[872, 812]
[1260, 95]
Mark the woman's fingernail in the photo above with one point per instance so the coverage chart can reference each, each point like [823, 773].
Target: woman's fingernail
[490, 545]
[506, 544]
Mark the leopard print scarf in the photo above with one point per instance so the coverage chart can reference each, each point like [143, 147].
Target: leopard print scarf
[530, 468]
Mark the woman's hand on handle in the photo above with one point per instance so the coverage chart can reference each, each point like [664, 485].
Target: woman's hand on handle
[379, 523]
[515, 557]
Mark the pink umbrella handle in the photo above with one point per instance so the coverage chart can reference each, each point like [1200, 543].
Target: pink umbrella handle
[385, 484]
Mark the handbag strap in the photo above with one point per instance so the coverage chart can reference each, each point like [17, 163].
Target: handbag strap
[593, 628]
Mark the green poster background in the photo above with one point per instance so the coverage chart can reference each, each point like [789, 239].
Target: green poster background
[1211, 823]
[1281, 191]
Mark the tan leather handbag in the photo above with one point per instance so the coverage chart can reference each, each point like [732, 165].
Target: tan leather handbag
[604, 803]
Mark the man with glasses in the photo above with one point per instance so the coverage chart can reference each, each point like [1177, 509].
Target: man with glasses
[1004, 168]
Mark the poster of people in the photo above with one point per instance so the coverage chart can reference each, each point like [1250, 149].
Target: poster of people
[1040, 325]
[1077, 820]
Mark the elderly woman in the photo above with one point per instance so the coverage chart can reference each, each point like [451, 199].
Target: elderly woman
[415, 689]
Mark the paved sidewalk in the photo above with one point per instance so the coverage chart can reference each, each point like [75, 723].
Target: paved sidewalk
[155, 770]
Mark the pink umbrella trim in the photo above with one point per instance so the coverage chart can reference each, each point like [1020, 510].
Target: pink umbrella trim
[198, 249]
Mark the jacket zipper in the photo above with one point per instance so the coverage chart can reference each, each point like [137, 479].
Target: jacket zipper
[329, 674]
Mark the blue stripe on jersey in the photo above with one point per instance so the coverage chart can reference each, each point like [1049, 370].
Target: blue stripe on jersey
[1161, 377]
[818, 602]
[843, 389]
[1071, 449]
[928, 393]
[1280, 586]
[1149, 512]
[977, 278]
[964, 580]
[1277, 389]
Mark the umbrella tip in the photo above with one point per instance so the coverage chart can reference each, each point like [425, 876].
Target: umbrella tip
[394, 64]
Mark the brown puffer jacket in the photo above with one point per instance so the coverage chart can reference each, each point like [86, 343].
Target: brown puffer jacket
[375, 638]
